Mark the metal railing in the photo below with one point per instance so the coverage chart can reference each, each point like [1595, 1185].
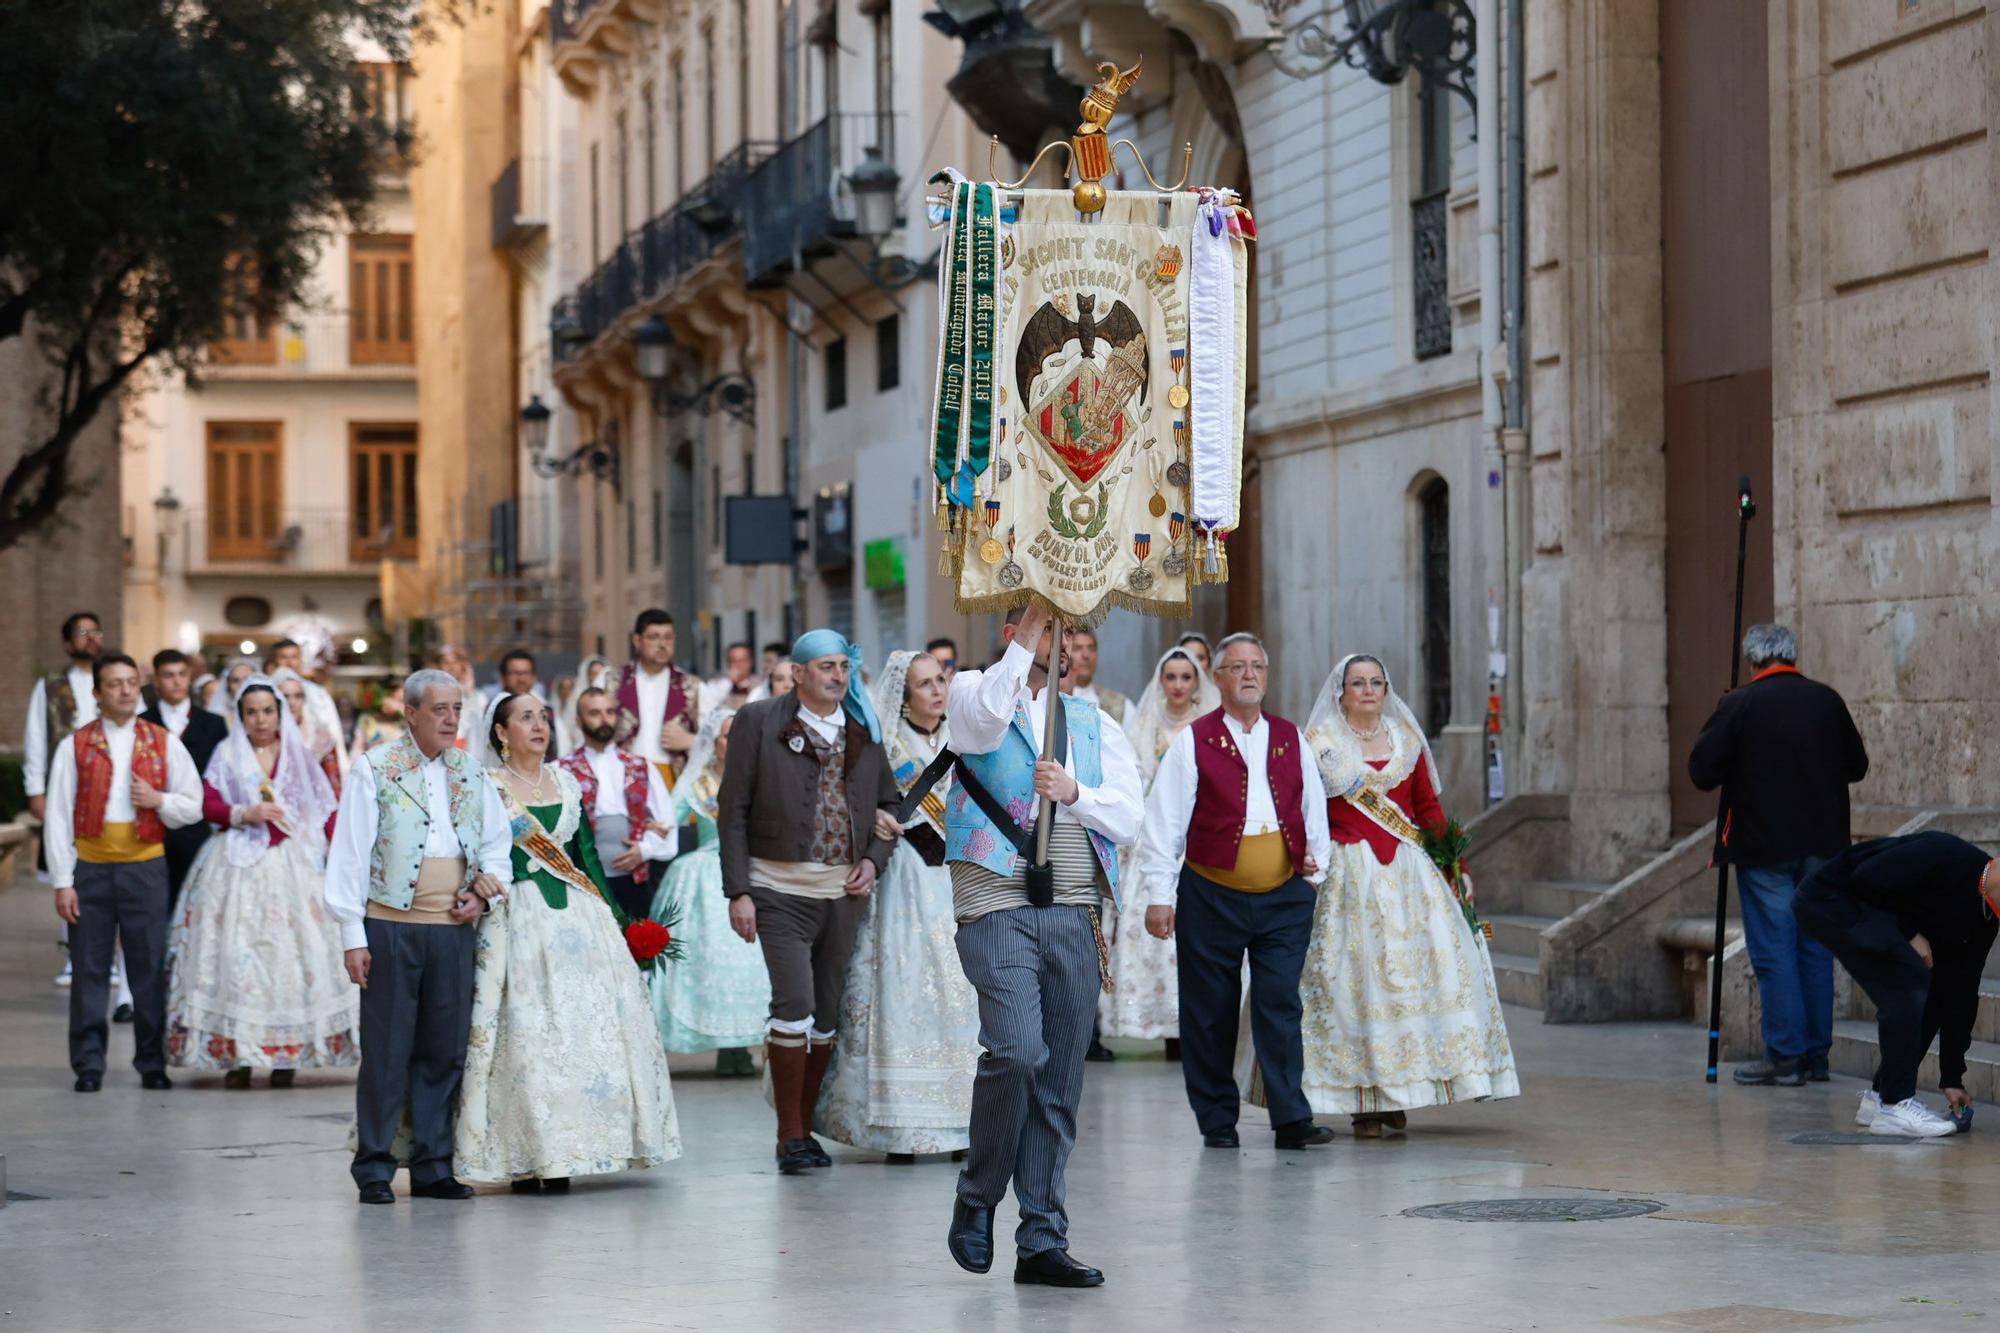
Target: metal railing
[520, 201]
[798, 201]
[656, 257]
[250, 540]
[318, 343]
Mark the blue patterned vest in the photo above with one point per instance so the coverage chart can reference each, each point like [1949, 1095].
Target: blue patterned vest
[1009, 774]
[402, 803]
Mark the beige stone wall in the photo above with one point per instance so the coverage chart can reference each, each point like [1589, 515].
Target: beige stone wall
[78, 564]
[1883, 291]
[1594, 600]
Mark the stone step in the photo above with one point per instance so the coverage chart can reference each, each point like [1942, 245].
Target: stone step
[1555, 897]
[1985, 1023]
[1519, 978]
[1517, 933]
[1855, 1052]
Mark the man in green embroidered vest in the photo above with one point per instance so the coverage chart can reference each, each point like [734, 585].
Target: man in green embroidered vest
[420, 849]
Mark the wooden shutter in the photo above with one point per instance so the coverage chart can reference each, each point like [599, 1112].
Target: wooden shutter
[245, 499]
[382, 461]
[381, 301]
[249, 337]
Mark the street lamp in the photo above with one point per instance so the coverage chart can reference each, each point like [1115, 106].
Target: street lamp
[600, 460]
[166, 517]
[1388, 39]
[652, 348]
[535, 425]
[874, 185]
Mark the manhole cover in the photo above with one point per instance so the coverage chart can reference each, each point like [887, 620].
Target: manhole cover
[1536, 1210]
[1876, 1140]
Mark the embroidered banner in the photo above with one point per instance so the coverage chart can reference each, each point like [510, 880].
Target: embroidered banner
[1086, 499]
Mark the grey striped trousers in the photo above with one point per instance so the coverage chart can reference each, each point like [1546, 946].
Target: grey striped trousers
[1035, 969]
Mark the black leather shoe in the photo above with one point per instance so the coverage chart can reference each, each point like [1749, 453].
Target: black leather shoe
[528, 1186]
[1225, 1138]
[89, 1082]
[900, 1159]
[1771, 1071]
[156, 1082]
[122, 1014]
[447, 1188]
[1303, 1134]
[1054, 1268]
[556, 1185]
[1100, 1054]
[819, 1157]
[1817, 1070]
[377, 1192]
[796, 1156]
[971, 1238]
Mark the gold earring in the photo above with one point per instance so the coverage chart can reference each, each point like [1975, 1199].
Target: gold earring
[505, 752]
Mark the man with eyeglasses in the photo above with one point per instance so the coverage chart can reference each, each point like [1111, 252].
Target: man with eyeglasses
[61, 702]
[1234, 847]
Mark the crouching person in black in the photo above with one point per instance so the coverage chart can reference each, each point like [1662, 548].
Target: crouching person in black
[1912, 919]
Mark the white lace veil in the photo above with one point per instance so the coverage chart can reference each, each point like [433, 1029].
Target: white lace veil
[301, 786]
[591, 673]
[692, 793]
[1147, 723]
[1338, 749]
[898, 736]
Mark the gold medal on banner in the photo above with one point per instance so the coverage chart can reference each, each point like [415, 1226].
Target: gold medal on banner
[1178, 396]
[992, 552]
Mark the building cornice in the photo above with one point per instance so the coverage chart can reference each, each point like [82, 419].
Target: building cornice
[1424, 393]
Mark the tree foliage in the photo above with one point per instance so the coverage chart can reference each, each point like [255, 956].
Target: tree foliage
[162, 163]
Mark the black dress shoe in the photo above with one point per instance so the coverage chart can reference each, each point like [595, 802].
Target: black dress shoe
[900, 1159]
[377, 1191]
[1054, 1268]
[89, 1082]
[819, 1157]
[528, 1186]
[971, 1238]
[1302, 1134]
[556, 1185]
[448, 1188]
[122, 1014]
[1225, 1138]
[156, 1082]
[1100, 1054]
[795, 1156]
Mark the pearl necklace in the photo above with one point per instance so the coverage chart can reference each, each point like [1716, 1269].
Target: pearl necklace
[1365, 736]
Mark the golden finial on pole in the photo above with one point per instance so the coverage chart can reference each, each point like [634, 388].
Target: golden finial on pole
[1090, 148]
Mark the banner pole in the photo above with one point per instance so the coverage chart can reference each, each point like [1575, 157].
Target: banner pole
[1051, 700]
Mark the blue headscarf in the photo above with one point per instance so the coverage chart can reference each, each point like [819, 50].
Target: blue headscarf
[817, 643]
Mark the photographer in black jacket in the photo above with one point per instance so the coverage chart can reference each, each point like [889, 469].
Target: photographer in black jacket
[1783, 749]
[1912, 918]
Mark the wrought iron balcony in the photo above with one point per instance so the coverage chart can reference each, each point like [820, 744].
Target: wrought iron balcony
[797, 203]
[660, 255]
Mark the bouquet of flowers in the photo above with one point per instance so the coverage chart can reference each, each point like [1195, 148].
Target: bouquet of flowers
[650, 941]
[1447, 845]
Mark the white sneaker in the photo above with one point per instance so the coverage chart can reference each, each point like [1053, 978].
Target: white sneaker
[1871, 1106]
[1910, 1118]
[63, 977]
[123, 988]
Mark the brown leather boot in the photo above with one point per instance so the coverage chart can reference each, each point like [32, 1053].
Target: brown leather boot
[817, 1058]
[788, 1073]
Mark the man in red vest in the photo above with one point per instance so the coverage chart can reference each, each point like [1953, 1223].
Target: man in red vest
[116, 785]
[630, 813]
[1234, 847]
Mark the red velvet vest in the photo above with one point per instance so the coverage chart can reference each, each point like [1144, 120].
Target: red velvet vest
[1222, 798]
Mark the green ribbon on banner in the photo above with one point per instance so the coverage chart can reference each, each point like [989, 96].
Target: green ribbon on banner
[954, 272]
[985, 267]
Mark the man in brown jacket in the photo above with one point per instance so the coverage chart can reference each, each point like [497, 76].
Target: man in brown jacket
[806, 823]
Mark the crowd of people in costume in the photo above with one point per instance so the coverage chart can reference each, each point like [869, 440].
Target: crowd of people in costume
[508, 905]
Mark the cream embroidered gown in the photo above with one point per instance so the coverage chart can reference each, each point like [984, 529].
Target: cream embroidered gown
[564, 1073]
[1401, 1010]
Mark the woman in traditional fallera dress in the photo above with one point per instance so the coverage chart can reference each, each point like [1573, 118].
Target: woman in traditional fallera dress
[1146, 1000]
[255, 974]
[564, 1075]
[718, 996]
[907, 1046]
[293, 686]
[1401, 1010]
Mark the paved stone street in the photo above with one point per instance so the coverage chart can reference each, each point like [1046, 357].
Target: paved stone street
[203, 1209]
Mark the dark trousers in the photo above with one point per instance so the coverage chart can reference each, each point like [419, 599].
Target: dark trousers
[1873, 949]
[806, 942]
[183, 845]
[119, 904]
[1214, 927]
[1036, 972]
[634, 900]
[416, 1013]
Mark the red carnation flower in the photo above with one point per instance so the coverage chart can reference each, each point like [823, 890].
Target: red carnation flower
[647, 940]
